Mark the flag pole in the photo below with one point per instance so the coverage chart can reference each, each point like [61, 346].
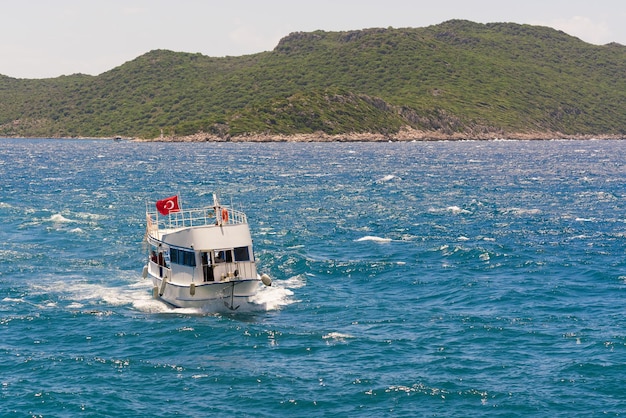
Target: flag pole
[180, 207]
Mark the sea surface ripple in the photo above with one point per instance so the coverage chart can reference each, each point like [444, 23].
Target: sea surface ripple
[410, 279]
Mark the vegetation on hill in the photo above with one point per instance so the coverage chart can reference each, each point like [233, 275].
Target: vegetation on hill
[457, 78]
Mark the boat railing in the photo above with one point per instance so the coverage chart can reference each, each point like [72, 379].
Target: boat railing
[226, 271]
[220, 215]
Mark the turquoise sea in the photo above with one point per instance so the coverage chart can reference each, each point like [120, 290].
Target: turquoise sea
[410, 279]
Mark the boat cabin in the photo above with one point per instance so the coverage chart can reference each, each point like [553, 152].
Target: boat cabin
[200, 245]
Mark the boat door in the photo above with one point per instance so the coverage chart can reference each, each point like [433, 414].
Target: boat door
[207, 268]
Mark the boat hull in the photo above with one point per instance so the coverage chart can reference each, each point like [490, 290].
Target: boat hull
[231, 293]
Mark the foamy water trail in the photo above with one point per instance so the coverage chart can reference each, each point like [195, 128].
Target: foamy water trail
[76, 294]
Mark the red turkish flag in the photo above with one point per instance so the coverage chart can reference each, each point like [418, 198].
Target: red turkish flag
[168, 205]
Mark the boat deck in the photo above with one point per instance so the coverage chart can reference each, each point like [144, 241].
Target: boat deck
[188, 218]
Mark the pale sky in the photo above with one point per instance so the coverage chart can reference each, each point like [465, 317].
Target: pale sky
[49, 38]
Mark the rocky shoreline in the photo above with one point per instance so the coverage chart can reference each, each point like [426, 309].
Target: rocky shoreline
[404, 135]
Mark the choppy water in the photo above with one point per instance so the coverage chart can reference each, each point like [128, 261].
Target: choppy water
[411, 279]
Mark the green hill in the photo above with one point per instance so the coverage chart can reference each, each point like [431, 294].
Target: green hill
[456, 78]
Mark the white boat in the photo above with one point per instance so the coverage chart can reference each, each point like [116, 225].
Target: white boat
[200, 256]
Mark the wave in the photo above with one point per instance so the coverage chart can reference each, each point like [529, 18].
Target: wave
[58, 218]
[62, 220]
[295, 282]
[374, 239]
[82, 217]
[90, 216]
[457, 210]
[386, 178]
[337, 336]
[452, 209]
[521, 211]
[273, 298]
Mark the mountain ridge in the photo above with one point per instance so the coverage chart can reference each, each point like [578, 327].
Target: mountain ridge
[458, 79]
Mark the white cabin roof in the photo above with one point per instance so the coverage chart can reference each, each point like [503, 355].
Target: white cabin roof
[207, 237]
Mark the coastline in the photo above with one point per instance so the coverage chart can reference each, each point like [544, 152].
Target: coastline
[404, 135]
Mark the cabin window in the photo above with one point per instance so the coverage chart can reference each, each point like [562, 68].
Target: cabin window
[242, 254]
[189, 259]
[183, 257]
[174, 256]
[223, 256]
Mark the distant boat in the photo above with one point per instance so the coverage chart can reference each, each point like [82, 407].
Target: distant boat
[199, 256]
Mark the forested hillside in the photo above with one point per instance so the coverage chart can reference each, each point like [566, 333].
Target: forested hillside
[456, 78]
